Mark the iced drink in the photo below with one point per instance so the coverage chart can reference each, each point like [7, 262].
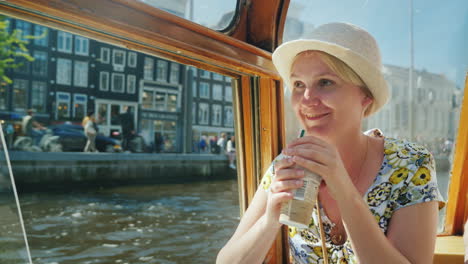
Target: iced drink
[298, 211]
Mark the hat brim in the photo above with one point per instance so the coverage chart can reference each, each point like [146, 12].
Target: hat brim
[284, 55]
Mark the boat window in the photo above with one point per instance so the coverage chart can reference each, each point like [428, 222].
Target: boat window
[217, 15]
[159, 184]
[424, 60]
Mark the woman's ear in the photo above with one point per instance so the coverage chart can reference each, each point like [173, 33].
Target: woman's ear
[366, 104]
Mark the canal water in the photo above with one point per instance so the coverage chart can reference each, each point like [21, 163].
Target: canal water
[176, 223]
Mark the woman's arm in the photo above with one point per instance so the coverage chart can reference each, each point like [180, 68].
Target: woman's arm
[259, 225]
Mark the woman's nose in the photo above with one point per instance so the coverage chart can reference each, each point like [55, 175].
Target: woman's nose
[310, 98]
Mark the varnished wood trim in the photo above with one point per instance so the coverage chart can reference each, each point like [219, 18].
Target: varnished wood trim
[149, 27]
[459, 180]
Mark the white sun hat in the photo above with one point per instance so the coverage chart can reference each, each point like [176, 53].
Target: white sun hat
[349, 43]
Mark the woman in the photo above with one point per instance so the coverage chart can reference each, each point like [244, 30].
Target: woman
[231, 152]
[89, 124]
[378, 196]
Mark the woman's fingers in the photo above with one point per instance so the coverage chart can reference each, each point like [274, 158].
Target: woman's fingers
[287, 185]
[314, 154]
[312, 166]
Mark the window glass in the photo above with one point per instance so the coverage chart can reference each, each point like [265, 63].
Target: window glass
[136, 111]
[217, 92]
[23, 29]
[203, 113]
[424, 60]
[20, 94]
[228, 94]
[41, 36]
[38, 96]
[216, 15]
[40, 63]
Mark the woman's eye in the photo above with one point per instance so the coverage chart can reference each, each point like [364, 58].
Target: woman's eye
[325, 82]
[298, 84]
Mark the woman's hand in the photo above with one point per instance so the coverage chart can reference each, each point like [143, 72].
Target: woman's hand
[286, 179]
[322, 158]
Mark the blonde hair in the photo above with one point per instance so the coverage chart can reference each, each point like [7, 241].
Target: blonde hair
[343, 71]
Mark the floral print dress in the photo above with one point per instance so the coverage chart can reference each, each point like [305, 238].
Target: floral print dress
[407, 176]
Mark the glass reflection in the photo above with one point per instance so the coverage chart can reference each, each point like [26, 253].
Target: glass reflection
[217, 15]
[424, 60]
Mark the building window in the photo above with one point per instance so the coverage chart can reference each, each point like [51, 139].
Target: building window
[216, 113]
[105, 55]
[81, 46]
[204, 90]
[20, 94]
[205, 74]
[23, 65]
[118, 82]
[174, 73]
[217, 92]
[64, 71]
[132, 59]
[161, 71]
[228, 120]
[194, 113]
[80, 76]
[63, 105]
[217, 76]
[227, 79]
[194, 88]
[118, 59]
[64, 42]
[104, 81]
[38, 96]
[40, 63]
[23, 28]
[79, 106]
[147, 99]
[41, 34]
[228, 94]
[168, 130]
[160, 100]
[203, 113]
[131, 84]
[149, 69]
[3, 97]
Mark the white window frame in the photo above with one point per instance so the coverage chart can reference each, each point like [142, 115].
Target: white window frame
[228, 122]
[85, 103]
[131, 81]
[80, 74]
[118, 66]
[105, 59]
[200, 86]
[148, 74]
[44, 98]
[220, 89]
[175, 69]
[216, 121]
[84, 46]
[64, 71]
[62, 45]
[58, 100]
[201, 114]
[101, 75]
[228, 93]
[132, 56]
[161, 70]
[113, 82]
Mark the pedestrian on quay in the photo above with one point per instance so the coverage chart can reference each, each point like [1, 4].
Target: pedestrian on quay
[128, 127]
[335, 82]
[31, 128]
[90, 129]
[202, 145]
[231, 152]
[222, 143]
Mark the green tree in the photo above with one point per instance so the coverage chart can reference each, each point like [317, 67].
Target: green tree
[13, 49]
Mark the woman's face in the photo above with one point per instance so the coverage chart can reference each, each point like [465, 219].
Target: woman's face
[325, 104]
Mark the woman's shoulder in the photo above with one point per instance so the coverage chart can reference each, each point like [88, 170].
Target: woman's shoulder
[402, 153]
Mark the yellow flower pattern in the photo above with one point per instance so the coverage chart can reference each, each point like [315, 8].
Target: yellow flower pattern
[407, 177]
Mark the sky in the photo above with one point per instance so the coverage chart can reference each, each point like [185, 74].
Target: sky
[440, 28]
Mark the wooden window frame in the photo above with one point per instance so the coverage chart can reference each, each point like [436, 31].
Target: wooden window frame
[245, 57]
